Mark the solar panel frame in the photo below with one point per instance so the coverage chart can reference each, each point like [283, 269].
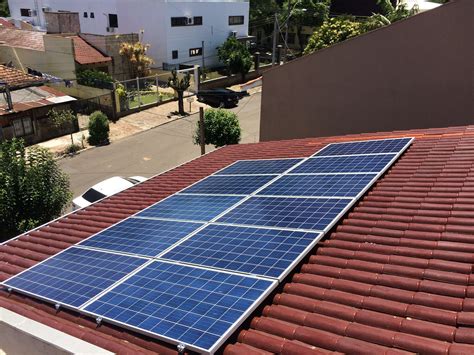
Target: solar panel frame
[57, 302]
[333, 146]
[229, 170]
[273, 284]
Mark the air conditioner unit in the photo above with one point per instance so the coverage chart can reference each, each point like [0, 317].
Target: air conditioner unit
[190, 21]
[111, 29]
[46, 9]
[233, 34]
[32, 13]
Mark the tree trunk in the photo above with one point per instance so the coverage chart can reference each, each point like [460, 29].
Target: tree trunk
[181, 103]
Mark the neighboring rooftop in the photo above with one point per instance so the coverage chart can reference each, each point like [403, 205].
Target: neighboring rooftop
[33, 97]
[16, 79]
[395, 276]
[84, 53]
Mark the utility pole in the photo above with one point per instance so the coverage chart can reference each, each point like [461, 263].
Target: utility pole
[202, 140]
[275, 30]
[286, 31]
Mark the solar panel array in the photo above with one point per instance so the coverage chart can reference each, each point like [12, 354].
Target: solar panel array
[192, 267]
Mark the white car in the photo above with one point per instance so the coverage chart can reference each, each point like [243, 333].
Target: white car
[105, 188]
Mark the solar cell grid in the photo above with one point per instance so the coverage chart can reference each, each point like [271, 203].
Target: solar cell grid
[75, 276]
[286, 212]
[187, 304]
[258, 167]
[338, 185]
[259, 251]
[345, 164]
[146, 237]
[234, 185]
[191, 207]
[365, 147]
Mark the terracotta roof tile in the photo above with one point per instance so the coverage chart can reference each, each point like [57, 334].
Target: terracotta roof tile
[86, 54]
[17, 79]
[395, 276]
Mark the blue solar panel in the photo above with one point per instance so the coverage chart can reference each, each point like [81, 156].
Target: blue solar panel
[259, 251]
[74, 276]
[286, 212]
[339, 185]
[235, 185]
[346, 164]
[186, 304]
[259, 167]
[365, 147]
[147, 237]
[191, 207]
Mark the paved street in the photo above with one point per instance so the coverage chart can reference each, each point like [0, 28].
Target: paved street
[153, 151]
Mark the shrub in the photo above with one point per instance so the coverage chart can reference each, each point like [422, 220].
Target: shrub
[95, 78]
[72, 149]
[221, 127]
[98, 129]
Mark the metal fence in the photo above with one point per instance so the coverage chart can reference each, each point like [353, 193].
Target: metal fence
[142, 92]
[104, 103]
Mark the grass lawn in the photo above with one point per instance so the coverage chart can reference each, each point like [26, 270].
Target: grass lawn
[149, 98]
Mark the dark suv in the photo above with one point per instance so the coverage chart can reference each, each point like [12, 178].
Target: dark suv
[220, 97]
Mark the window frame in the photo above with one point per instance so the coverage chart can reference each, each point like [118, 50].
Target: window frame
[113, 24]
[199, 52]
[23, 11]
[85, 15]
[174, 54]
[182, 21]
[92, 15]
[233, 20]
[19, 125]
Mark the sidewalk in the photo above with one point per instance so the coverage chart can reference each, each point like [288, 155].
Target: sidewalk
[131, 124]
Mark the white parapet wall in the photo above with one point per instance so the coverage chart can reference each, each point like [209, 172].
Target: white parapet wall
[21, 335]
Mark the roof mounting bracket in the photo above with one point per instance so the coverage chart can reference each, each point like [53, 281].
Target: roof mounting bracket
[10, 290]
[181, 347]
[98, 320]
[57, 306]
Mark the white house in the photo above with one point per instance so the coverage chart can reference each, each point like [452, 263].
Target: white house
[179, 31]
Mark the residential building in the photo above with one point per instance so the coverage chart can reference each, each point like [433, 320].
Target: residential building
[393, 276]
[183, 32]
[413, 73]
[26, 115]
[57, 55]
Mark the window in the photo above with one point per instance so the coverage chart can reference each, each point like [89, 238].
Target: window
[23, 126]
[85, 14]
[236, 20]
[194, 52]
[197, 20]
[113, 20]
[174, 54]
[25, 12]
[92, 15]
[186, 21]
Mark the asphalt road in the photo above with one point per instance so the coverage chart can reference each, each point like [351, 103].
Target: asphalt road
[152, 152]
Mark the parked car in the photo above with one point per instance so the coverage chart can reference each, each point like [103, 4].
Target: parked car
[105, 188]
[220, 97]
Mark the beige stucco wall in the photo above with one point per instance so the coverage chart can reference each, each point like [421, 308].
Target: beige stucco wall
[57, 59]
[416, 73]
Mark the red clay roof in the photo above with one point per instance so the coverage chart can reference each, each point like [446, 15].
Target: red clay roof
[4, 23]
[396, 276]
[17, 79]
[84, 53]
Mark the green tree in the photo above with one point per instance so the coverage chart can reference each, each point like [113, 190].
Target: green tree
[98, 129]
[4, 10]
[33, 189]
[333, 30]
[236, 56]
[310, 13]
[62, 118]
[180, 86]
[221, 127]
[262, 14]
[94, 78]
[136, 55]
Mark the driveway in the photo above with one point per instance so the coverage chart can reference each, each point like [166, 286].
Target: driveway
[153, 151]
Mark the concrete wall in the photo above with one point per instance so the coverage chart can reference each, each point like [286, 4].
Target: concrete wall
[416, 73]
[110, 46]
[154, 18]
[57, 59]
[62, 22]
[227, 81]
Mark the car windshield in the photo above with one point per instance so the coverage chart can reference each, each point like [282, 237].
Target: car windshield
[92, 195]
